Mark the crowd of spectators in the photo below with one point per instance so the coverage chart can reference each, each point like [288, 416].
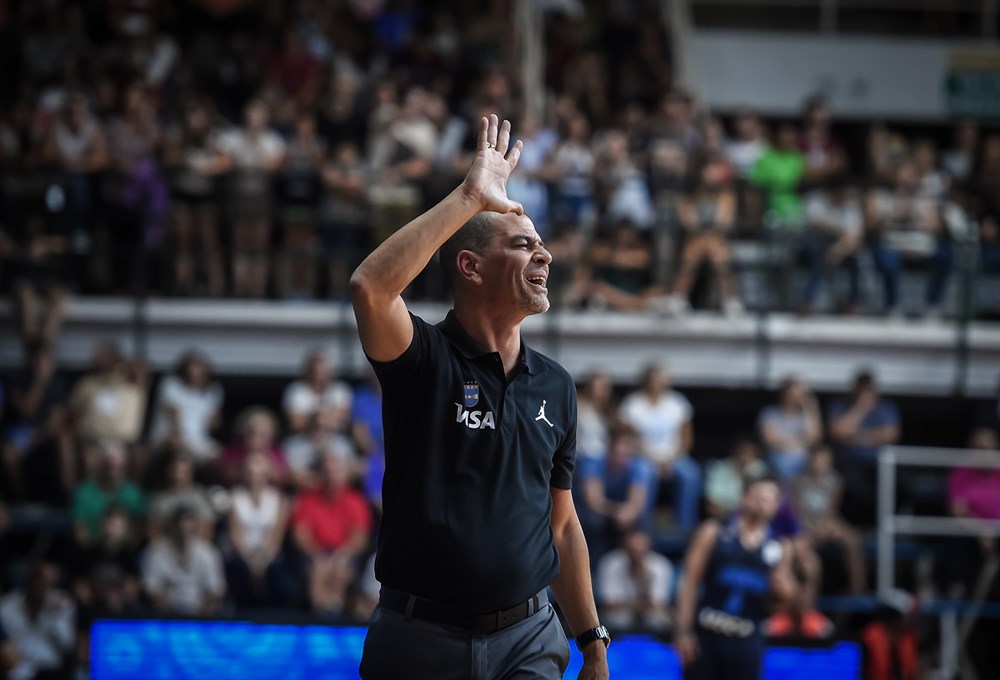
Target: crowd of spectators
[175, 511]
[262, 148]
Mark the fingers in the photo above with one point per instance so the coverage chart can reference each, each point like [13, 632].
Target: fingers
[503, 139]
[515, 154]
[516, 208]
[484, 127]
[491, 133]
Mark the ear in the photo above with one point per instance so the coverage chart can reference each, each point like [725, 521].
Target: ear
[469, 267]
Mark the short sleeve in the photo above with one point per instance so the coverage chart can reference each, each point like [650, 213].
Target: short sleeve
[684, 407]
[564, 459]
[296, 399]
[413, 362]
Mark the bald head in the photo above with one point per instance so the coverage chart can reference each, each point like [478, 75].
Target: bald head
[474, 235]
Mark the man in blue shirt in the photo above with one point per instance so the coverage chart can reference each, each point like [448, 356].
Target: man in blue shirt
[860, 425]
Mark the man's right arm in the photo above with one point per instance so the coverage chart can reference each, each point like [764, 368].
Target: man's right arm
[384, 324]
[687, 599]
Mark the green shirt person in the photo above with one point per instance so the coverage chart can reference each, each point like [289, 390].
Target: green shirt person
[779, 171]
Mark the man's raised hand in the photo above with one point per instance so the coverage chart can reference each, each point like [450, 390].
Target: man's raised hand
[486, 183]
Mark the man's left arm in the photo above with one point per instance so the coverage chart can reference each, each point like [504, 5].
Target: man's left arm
[572, 586]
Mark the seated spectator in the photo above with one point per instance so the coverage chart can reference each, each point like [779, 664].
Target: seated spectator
[933, 182]
[182, 572]
[188, 407]
[304, 451]
[860, 425]
[662, 418]
[109, 403]
[707, 215]
[317, 394]
[38, 280]
[192, 154]
[834, 221]
[330, 527]
[890, 641]
[790, 427]
[726, 478]
[109, 488]
[37, 440]
[39, 620]
[824, 156]
[633, 585]
[258, 517]
[960, 160]
[525, 184]
[114, 549]
[905, 225]
[256, 430]
[343, 214]
[815, 496]
[973, 493]
[569, 171]
[620, 186]
[113, 595]
[368, 436]
[594, 413]
[619, 492]
[795, 614]
[779, 171]
[181, 491]
[748, 145]
[617, 272]
[256, 153]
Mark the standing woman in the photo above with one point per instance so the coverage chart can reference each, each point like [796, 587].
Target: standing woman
[256, 153]
[195, 163]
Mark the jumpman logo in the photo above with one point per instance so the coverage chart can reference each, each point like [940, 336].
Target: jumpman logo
[541, 414]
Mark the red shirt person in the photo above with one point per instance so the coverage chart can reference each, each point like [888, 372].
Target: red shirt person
[331, 526]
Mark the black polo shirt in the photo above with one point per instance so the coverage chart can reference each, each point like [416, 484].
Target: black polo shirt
[470, 461]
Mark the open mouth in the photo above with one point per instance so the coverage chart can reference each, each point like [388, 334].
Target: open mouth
[538, 281]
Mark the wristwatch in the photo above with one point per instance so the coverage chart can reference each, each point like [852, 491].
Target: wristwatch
[600, 633]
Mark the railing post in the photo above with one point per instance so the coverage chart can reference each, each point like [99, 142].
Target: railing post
[886, 511]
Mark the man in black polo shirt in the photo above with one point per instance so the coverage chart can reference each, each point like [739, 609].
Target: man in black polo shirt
[480, 439]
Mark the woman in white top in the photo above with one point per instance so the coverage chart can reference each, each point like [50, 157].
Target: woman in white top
[317, 394]
[188, 407]
[258, 517]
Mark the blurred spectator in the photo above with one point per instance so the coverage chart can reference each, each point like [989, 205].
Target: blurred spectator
[255, 153]
[317, 394]
[109, 403]
[748, 145]
[181, 492]
[662, 418]
[37, 274]
[300, 197]
[295, 70]
[834, 221]
[933, 182]
[195, 164]
[904, 224]
[815, 496]
[330, 527]
[633, 585]
[77, 145]
[595, 411]
[890, 642]
[39, 620]
[182, 572]
[37, 440]
[617, 272]
[706, 216]
[368, 436]
[795, 615]
[113, 551]
[823, 154]
[525, 184]
[568, 170]
[859, 426]
[975, 492]
[886, 150]
[779, 171]
[619, 492]
[134, 139]
[256, 433]
[790, 428]
[305, 450]
[619, 185]
[258, 517]
[343, 214]
[960, 159]
[187, 408]
[109, 489]
[726, 478]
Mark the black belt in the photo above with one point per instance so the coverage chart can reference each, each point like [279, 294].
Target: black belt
[415, 607]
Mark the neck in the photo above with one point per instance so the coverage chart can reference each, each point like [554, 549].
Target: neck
[496, 333]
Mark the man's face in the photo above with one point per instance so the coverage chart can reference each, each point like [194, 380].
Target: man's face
[515, 268]
[761, 501]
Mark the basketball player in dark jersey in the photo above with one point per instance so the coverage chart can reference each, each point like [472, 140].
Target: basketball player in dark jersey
[719, 634]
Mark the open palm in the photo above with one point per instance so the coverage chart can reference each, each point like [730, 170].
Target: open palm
[487, 178]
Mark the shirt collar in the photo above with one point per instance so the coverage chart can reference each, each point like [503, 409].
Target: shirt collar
[473, 349]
